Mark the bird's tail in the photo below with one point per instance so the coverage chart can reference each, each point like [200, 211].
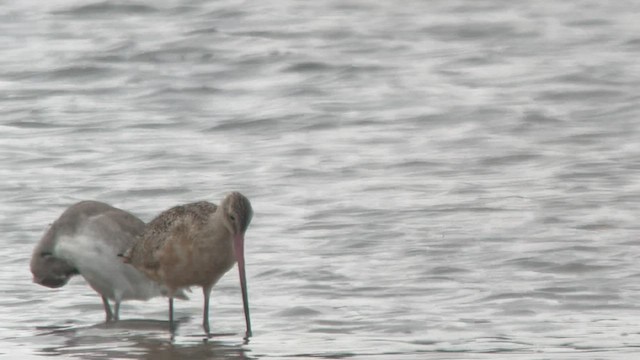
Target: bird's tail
[178, 294]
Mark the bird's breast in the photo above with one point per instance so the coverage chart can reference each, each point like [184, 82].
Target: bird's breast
[196, 260]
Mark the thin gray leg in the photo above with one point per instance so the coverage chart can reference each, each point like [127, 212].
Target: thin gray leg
[172, 327]
[206, 291]
[116, 312]
[107, 308]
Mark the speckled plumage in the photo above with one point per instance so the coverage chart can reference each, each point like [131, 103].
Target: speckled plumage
[147, 253]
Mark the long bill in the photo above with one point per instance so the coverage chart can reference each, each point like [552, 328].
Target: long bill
[239, 250]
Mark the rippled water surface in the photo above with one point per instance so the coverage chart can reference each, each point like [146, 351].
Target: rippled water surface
[430, 179]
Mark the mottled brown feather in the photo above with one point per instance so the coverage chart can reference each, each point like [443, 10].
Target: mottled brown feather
[168, 242]
[158, 231]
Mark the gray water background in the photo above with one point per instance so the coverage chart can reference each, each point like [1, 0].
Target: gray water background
[431, 179]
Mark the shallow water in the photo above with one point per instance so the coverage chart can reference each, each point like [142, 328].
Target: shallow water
[430, 180]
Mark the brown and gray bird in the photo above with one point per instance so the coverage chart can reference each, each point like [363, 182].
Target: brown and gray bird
[195, 244]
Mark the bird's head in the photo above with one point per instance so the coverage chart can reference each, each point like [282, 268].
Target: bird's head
[49, 270]
[237, 213]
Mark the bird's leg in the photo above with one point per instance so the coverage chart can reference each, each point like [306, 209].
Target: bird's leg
[172, 327]
[107, 308]
[116, 310]
[206, 291]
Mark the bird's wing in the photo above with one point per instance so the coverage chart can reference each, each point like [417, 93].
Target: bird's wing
[146, 250]
[118, 227]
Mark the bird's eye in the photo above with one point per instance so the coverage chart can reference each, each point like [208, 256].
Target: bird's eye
[233, 218]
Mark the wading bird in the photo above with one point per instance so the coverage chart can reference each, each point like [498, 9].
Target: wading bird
[195, 244]
[85, 240]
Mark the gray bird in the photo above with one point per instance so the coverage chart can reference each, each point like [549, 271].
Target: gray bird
[85, 240]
